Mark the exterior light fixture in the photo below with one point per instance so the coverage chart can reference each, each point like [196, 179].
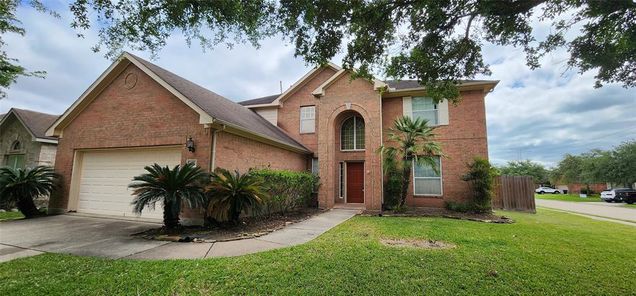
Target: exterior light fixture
[190, 144]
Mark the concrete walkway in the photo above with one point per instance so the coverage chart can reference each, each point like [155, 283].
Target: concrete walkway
[294, 234]
[598, 209]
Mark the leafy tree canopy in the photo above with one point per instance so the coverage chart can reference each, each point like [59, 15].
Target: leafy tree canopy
[538, 172]
[617, 166]
[437, 42]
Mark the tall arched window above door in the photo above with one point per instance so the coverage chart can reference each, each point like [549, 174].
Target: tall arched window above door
[352, 134]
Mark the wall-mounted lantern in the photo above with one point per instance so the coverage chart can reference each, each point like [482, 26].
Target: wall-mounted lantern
[190, 144]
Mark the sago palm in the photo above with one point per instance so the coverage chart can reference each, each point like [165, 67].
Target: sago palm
[171, 187]
[230, 194]
[411, 141]
[21, 186]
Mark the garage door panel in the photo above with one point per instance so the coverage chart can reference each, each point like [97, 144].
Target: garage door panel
[105, 176]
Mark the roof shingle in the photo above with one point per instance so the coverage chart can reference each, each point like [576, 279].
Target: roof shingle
[36, 122]
[259, 101]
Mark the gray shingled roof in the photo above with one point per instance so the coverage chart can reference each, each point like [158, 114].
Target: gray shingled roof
[261, 100]
[221, 108]
[37, 123]
[396, 84]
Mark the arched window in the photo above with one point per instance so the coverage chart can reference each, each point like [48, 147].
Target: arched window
[352, 134]
[16, 145]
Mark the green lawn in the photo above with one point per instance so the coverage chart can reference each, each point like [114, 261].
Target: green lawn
[568, 197]
[10, 216]
[633, 206]
[550, 253]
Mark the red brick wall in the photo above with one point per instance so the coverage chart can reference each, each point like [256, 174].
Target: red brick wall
[146, 115]
[461, 140]
[365, 101]
[576, 187]
[289, 113]
[239, 153]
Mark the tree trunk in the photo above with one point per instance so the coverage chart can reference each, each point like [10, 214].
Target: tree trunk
[406, 179]
[27, 207]
[170, 215]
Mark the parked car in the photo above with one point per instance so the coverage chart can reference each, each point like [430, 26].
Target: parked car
[619, 195]
[543, 189]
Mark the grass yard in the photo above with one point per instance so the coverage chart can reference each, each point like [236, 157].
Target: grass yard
[549, 253]
[568, 197]
[10, 216]
[633, 206]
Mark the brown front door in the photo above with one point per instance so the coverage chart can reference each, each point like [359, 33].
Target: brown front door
[355, 182]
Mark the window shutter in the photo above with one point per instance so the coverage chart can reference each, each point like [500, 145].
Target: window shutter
[407, 108]
[442, 112]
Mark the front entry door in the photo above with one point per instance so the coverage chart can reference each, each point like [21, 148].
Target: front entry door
[355, 182]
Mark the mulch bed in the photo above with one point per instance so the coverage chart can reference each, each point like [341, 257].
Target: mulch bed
[249, 227]
[441, 212]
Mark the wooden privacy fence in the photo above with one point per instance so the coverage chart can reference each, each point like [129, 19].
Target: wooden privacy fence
[514, 193]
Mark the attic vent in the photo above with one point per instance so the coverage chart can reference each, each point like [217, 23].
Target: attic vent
[130, 81]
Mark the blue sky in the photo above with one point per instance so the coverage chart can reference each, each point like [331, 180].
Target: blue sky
[538, 115]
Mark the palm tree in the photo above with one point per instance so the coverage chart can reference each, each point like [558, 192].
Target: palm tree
[412, 143]
[21, 186]
[230, 194]
[170, 187]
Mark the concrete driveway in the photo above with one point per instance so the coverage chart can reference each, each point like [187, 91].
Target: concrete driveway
[600, 209]
[110, 238]
[85, 236]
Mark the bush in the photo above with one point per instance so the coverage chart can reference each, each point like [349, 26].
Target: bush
[287, 190]
[392, 189]
[480, 176]
[232, 194]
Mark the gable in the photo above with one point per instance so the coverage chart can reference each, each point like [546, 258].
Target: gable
[212, 108]
[132, 105]
[344, 73]
[34, 123]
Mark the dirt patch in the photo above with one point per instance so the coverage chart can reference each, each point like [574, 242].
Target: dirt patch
[444, 213]
[248, 228]
[415, 243]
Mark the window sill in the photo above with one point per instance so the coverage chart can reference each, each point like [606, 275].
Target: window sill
[307, 133]
[354, 150]
[428, 195]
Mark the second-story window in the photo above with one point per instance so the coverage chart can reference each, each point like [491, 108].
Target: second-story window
[425, 108]
[307, 119]
[352, 134]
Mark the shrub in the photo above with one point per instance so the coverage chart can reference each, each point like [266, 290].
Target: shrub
[20, 187]
[231, 194]
[480, 176]
[287, 190]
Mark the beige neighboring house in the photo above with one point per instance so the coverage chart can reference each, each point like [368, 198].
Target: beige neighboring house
[23, 142]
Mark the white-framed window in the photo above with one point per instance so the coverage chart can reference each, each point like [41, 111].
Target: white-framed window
[425, 108]
[315, 169]
[307, 119]
[352, 134]
[426, 181]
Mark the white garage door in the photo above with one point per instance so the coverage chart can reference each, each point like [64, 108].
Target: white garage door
[105, 176]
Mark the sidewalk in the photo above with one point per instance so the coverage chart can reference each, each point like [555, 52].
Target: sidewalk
[593, 209]
[294, 234]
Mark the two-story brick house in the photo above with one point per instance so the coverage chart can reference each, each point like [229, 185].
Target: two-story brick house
[137, 113]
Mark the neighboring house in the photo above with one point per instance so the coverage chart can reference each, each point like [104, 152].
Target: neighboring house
[23, 142]
[137, 113]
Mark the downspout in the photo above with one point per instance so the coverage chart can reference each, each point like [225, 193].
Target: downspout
[381, 158]
[213, 156]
